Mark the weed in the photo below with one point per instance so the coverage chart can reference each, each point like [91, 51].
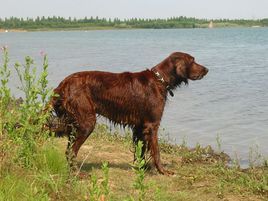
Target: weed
[32, 113]
[236, 161]
[254, 156]
[105, 182]
[265, 163]
[139, 169]
[5, 95]
[184, 142]
[219, 143]
[99, 190]
[95, 191]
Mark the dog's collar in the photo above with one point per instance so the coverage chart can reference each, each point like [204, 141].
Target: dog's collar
[161, 79]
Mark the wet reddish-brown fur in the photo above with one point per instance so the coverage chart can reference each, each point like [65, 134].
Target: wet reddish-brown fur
[131, 99]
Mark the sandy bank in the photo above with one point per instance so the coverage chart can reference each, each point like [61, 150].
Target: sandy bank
[11, 30]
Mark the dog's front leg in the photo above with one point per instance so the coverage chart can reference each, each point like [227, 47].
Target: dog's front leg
[151, 131]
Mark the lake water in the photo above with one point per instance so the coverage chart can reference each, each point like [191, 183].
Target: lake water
[231, 101]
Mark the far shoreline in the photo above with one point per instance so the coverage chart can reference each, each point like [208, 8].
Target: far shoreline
[113, 28]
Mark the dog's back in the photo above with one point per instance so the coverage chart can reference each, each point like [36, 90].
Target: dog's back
[124, 98]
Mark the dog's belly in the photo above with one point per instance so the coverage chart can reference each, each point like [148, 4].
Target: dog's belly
[124, 115]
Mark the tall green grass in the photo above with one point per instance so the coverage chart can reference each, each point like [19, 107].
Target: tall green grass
[25, 157]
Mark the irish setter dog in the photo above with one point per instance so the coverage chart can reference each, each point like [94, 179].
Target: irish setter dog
[131, 99]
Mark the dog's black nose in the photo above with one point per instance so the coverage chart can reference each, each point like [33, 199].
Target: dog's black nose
[206, 70]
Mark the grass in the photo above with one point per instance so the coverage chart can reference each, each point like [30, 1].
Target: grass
[33, 165]
[200, 174]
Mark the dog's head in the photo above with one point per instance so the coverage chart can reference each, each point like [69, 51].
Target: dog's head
[186, 67]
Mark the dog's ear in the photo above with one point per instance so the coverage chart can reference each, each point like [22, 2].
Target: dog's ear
[174, 57]
[179, 65]
[181, 69]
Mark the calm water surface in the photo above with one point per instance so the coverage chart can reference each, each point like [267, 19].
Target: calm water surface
[231, 101]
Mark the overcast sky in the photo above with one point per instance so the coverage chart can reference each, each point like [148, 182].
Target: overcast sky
[211, 9]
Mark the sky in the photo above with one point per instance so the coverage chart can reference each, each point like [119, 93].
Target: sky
[209, 9]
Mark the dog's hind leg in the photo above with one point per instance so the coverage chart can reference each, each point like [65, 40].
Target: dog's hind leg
[83, 131]
[85, 120]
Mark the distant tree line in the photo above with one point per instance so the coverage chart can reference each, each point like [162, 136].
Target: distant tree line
[96, 22]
